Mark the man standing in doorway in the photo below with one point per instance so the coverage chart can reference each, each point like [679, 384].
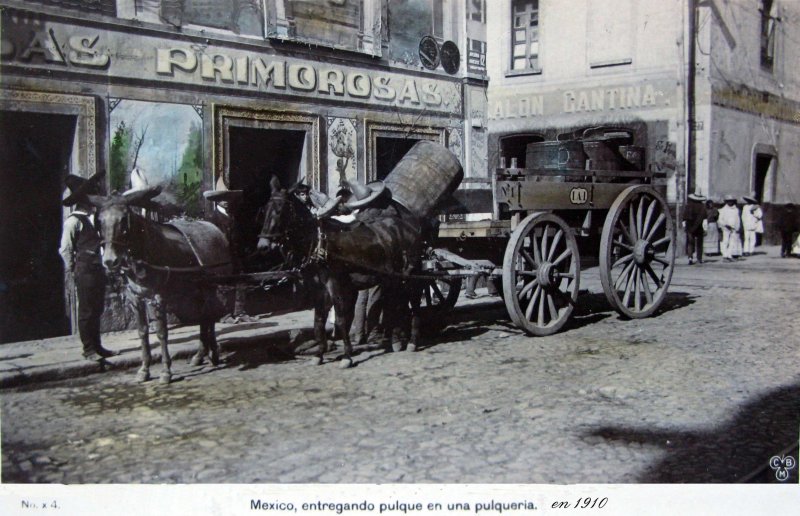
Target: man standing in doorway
[80, 250]
[752, 223]
[694, 223]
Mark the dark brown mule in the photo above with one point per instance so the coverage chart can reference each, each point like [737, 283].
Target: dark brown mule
[339, 259]
[164, 269]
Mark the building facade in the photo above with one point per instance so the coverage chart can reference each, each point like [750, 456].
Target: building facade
[647, 67]
[190, 91]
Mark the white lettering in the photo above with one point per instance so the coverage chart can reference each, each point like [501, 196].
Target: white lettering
[242, 70]
[43, 46]
[166, 60]
[634, 96]
[430, 95]
[382, 89]
[210, 65]
[331, 79]
[359, 85]
[649, 96]
[598, 97]
[409, 93]
[82, 52]
[302, 77]
[569, 102]
[274, 73]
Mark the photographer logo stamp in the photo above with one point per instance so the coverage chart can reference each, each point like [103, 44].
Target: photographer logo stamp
[782, 465]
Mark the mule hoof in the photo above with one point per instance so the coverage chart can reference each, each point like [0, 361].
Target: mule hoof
[165, 378]
[197, 360]
[316, 361]
[215, 360]
[397, 347]
[411, 347]
[346, 363]
[142, 376]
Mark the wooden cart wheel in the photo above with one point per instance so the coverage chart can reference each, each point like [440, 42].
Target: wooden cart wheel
[439, 295]
[637, 251]
[541, 274]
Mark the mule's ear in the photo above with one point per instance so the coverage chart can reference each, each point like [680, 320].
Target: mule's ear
[141, 197]
[275, 184]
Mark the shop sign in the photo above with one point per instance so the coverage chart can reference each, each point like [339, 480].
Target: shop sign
[613, 99]
[52, 45]
[476, 56]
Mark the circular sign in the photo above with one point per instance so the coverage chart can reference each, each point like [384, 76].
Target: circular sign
[429, 52]
[451, 57]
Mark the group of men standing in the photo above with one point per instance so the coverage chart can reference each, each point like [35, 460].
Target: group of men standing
[704, 223]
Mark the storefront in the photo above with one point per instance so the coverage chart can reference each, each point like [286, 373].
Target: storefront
[82, 94]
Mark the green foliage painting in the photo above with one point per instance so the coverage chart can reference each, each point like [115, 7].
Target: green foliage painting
[165, 142]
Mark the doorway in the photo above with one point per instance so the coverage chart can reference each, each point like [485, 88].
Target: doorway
[388, 152]
[514, 148]
[35, 152]
[255, 155]
[763, 163]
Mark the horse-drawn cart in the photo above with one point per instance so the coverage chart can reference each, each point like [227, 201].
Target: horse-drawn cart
[546, 217]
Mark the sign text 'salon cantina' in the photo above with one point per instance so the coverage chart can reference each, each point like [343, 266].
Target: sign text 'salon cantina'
[143, 57]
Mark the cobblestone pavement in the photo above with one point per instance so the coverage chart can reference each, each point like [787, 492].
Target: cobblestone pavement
[707, 391]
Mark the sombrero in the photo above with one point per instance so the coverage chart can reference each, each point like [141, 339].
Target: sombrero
[138, 181]
[222, 194]
[750, 199]
[729, 197]
[364, 194]
[79, 187]
[697, 196]
[325, 205]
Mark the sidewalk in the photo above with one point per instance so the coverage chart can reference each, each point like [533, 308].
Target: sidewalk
[60, 358]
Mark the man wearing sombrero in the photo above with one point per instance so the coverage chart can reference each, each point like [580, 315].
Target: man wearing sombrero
[752, 223]
[80, 250]
[730, 222]
[695, 223]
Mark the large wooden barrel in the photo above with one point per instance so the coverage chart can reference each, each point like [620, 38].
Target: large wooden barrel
[427, 174]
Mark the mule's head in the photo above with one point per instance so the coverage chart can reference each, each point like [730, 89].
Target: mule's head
[284, 217]
[115, 222]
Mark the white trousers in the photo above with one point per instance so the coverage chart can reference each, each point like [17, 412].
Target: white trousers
[731, 243]
[749, 241]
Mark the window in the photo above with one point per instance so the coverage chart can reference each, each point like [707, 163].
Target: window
[768, 23]
[438, 20]
[107, 7]
[477, 10]
[525, 35]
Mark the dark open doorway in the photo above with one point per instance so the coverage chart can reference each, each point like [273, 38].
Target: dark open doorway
[255, 156]
[388, 152]
[34, 159]
[763, 162]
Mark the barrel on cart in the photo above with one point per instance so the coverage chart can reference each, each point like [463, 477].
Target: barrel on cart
[587, 187]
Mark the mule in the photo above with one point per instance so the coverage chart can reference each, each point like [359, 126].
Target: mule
[337, 260]
[165, 267]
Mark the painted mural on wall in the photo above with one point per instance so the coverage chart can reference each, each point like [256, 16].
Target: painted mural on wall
[165, 143]
[342, 145]
[455, 142]
[664, 158]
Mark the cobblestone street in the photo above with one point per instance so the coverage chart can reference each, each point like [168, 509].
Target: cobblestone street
[706, 391]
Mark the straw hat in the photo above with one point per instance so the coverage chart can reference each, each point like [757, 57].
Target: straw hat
[364, 194]
[697, 196]
[221, 193]
[729, 197]
[324, 204]
[750, 199]
[79, 187]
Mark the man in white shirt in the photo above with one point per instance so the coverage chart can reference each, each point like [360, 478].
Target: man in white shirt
[729, 222]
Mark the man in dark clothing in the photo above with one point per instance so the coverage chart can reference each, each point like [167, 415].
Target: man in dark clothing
[788, 224]
[80, 250]
[694, 219]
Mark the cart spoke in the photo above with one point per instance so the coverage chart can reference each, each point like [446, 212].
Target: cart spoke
[544, 242]
[552, 307]
[662, 261]
[661, 241]
[648, 217]
[624, 259]
[556, 240]
[637, 288]
[527, 288]
[626, 232]
[639, 213]
[632, 224]
[532, 302]
[653, 275]
[536, 255]
[623, 275]
[564, 275]
[527, 274]
[563, 256]
[542, 297]
[622, 244]
[428, 296]
[528, 258]
[628, 287]
[437, 292]
[646, 287]
[660, 220]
